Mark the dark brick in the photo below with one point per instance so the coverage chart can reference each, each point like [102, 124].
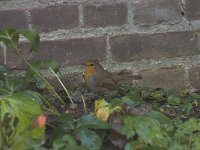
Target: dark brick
[194, 77]
[163, 78]
[149, 46]
[105, 15]
[65, 52]
[13, 19]
[13, 60]
[148, 12]
[192, 8]
[53, 18]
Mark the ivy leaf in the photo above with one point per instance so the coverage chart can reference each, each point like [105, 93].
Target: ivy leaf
[150, 131]
[132, 100]
[173, 100]
[186, 107]
[34, 39]
[187, 128]
[177, 146]
[165, 122]
[89, 139]
[92, 122]
[128, 128]
[158, 95]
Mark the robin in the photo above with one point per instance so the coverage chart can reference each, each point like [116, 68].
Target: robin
[98, 79]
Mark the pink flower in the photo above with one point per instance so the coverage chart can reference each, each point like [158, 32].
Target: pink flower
[41, 121]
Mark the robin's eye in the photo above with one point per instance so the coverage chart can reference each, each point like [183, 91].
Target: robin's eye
[91, 64]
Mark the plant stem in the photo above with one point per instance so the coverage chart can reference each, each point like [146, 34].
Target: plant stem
[84, 105]
[62, 85]
[36, 72]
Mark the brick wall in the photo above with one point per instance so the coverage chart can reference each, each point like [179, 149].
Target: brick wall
[155, 38]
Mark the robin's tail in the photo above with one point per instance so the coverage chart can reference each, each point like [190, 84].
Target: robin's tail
[126, 78]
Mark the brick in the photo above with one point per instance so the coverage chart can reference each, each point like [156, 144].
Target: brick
[13, 19]
[192, 9]
[13, 60]
[65, 52]
[163, 78]
[194, 77]
[105, 15]
[150, 46]
[53, 18]
[149, 12]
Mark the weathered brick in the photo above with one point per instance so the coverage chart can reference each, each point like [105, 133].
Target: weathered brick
[149, 46]
[13, 19]
[194, 77]
[105, 15]
[192, 8]
[163, 78]
[148, 12]
[65, 52]
[53, 18]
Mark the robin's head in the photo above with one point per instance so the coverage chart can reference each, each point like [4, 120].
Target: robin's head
[93, 66]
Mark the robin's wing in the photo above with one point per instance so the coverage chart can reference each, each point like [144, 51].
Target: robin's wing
[107, 83]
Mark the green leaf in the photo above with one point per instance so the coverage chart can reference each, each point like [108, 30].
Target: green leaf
[150, 130]
[14, 84]
[158, 95]
[173, 100]
[4, 71]
[65, 121]
[26, 110]
[128, 128]
[40, 84]
[37, 97]
[177, 146]
[115, 102]
[186, 107]
[187, 128]
[89, 139]
[8, 36]
[4, 92]
[53, 65]
[66, 142]
[33, 37]
[131, 145]
[165, 122]
[132, 100]
[195, 96]
[89, 121]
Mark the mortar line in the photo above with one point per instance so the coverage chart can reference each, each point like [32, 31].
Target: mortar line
[81, 18]
[108, 48]
[130, 13]
[28, 17]
[112, 31]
